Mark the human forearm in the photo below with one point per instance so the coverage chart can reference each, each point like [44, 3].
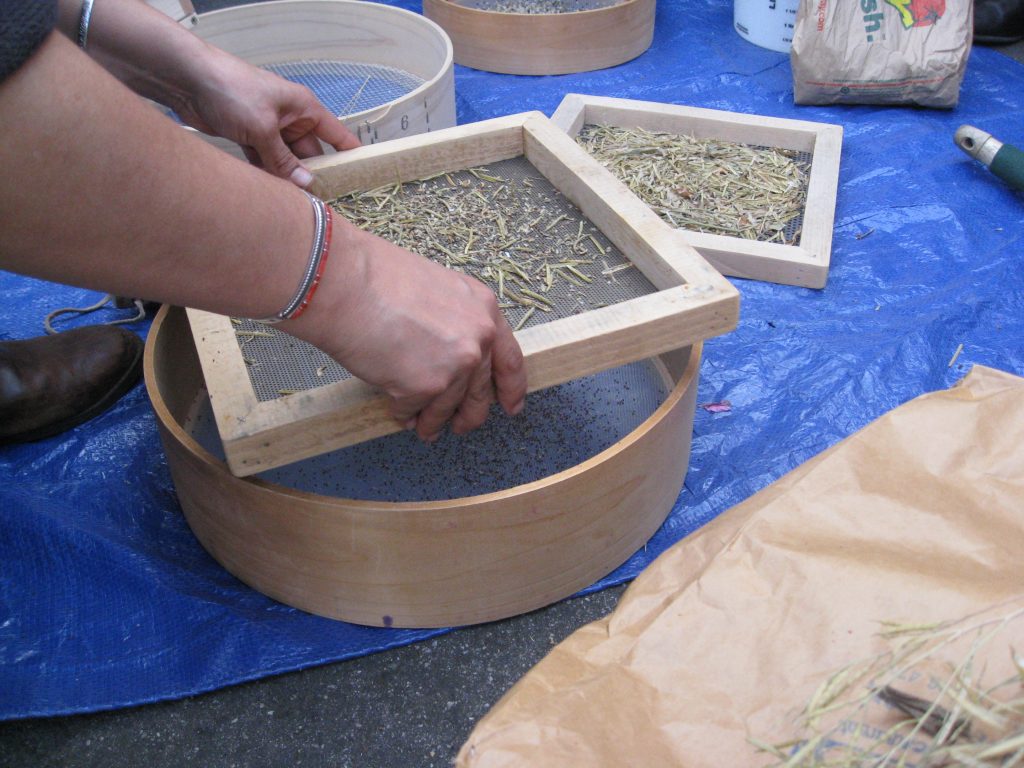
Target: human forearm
[220, 221]
[148, 51]
[276, 122]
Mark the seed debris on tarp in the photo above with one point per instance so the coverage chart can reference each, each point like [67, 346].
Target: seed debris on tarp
[707, 185]
[722, 406]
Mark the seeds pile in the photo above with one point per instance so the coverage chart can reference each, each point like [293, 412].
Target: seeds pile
[516, 233]
[706, 185]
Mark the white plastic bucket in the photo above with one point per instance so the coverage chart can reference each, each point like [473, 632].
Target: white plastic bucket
[768, 23]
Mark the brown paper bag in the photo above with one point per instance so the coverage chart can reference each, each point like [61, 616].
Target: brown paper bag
[881, 51]
[724, 638]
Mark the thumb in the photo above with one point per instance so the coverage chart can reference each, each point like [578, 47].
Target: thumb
[279, 160]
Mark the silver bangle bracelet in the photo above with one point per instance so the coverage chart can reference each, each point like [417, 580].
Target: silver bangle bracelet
[83, 23]
[312, 273]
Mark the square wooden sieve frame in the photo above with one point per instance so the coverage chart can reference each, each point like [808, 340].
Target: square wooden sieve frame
[692, 301]
[804, 265]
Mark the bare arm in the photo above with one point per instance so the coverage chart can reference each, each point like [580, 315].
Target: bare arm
[104, 192]
[275, 122]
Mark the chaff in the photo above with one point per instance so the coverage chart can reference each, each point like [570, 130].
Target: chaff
[707, 185]
[506, 232]
[960, 720]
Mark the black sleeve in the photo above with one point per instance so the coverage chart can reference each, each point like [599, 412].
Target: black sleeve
[24, 24]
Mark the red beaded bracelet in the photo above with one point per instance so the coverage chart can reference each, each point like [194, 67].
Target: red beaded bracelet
[315, 268]
[324, 253]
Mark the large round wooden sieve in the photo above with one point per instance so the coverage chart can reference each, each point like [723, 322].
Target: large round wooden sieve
[602, 34]
[384, 71]
[423, 564]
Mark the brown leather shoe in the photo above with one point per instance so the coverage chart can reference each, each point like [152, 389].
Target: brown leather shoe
[52, 383]
[998, 22]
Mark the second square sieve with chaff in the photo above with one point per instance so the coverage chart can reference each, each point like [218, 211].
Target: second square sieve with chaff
[588, 276]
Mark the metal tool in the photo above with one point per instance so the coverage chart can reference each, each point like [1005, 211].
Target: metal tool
[1004, 160]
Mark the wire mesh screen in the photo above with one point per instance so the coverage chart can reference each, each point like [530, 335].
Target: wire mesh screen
[503, 223]
[343, 87]
[754, 192]
[346, 88]
[792, 227]
[560, 428]
[280, 364]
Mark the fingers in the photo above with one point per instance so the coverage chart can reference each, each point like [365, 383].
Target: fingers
[252, 156]
[427, 414]
[431, 420]
[509, 371]
[302, 123]
[277, 158]
[306, 146]
[476, 404]
[282, 159]
[326, 129]
[404, 410]
[433, 339]
[334, 132]
[467, 402]
[317, 123]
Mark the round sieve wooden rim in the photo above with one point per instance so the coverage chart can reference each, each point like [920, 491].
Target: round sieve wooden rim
[424, 564]
[545, 43]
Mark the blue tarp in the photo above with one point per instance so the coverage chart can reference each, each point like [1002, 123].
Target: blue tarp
[107, 600]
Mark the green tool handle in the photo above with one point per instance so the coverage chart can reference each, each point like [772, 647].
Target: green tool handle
[1004, 160]
[1008, 165]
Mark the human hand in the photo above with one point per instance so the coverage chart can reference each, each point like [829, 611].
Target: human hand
[431, 338]
[277, 123]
